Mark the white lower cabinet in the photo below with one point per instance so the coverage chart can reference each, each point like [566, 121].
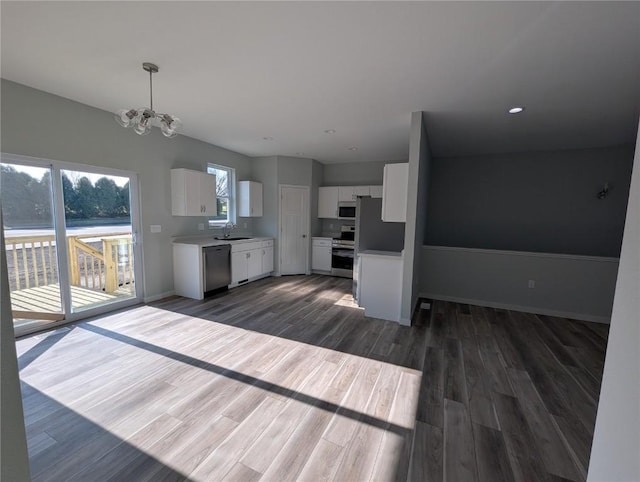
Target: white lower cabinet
[251, 260]
[321, 254]
[380, 284]
[239, 267]
[267, 256]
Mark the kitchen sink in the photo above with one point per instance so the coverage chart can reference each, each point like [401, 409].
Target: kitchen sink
[232, 238]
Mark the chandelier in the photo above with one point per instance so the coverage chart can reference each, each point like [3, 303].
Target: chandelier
[143, 119]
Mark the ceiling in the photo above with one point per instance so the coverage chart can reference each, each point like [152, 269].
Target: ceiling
[237, 72]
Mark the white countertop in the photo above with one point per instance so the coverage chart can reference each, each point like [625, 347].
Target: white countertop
[205, 241]
[380, 254]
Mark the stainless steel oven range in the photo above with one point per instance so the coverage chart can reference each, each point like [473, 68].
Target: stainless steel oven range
[342, 253]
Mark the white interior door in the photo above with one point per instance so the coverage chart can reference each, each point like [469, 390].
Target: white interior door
[294, 229]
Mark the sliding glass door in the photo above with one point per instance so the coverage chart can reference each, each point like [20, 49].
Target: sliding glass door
[30, 241]
[70, 240]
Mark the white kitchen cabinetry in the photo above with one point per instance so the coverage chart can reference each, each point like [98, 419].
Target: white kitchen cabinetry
[375, 191]
[193, 193]
[394, 192]
[246, 261]
[267, 256]
[321, 254]
[350, 193]
[345, 194]
[251, 260]
[380, 284]
[328, 202]
[361, 191]
[249, 199]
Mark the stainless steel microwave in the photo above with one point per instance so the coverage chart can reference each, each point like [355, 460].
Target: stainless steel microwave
[346, 210]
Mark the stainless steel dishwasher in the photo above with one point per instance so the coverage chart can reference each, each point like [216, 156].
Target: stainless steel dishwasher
[217, 267]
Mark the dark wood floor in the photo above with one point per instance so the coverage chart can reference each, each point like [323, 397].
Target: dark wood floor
[506, 396]
[285, 379]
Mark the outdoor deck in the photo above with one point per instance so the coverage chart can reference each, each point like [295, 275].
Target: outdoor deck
[47, 298]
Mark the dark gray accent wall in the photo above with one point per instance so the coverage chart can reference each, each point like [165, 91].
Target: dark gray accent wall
[355, 173]
[540, 202]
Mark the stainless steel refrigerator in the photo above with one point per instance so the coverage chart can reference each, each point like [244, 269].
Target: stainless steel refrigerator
[373, 233]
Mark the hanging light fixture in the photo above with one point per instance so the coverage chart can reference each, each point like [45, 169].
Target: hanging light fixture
[143, 119]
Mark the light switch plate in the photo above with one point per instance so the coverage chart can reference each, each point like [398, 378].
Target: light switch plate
[201, 227]
[155, 228]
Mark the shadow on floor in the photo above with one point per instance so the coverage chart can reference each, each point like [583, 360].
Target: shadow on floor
[55, 454]
[316, 310]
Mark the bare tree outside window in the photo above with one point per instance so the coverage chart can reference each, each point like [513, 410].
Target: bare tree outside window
[224, 195]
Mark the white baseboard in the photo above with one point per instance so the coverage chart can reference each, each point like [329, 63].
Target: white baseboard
[150, 299]
[524, 309]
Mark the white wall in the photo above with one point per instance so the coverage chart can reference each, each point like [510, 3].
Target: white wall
[579, 287]
[615, 452]
[14, 464]
[417, 195]
[38, 124]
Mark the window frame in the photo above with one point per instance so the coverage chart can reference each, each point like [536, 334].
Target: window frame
[231, 187]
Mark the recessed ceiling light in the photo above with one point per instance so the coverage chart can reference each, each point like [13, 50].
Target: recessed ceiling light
[516, 110]
[353, 148]
[267, 138]
[330, 131]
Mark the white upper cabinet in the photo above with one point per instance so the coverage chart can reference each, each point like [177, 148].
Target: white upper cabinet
[193, 193]
[394, 192]
[346, 193]
[375, 191]
[249, 199]
[328, 202]
[350, 193]
[329, 197]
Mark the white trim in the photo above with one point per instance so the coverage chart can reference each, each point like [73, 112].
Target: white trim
[161, 296]
[231, 186]
[578, 257]
[65, 165]
[524, 309]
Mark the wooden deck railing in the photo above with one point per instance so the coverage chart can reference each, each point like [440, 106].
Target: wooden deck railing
[32, 261]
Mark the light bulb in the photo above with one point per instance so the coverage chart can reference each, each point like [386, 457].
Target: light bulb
[125, 117]
[143, 127]
[169, 125]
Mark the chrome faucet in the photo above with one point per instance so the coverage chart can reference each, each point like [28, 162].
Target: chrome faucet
[226, 230]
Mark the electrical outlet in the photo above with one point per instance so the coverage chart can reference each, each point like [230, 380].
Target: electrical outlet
[330, 226]
[245, 225]
[531, 283]
[155, 228]
[200, 226]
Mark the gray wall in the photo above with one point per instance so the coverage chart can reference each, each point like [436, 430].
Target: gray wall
[417, 198]
[374, 234]
[38, 124]
[277, 170]
[14, 463]
[616, 441]
[568, 286]
[265, 170]
[542, 202]
[354, 173]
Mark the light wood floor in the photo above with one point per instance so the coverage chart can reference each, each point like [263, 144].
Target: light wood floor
[285, 379]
